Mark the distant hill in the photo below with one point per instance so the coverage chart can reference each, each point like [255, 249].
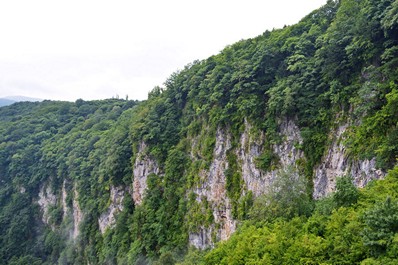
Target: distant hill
[5, 101]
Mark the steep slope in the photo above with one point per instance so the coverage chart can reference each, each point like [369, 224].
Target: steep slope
[117, 182]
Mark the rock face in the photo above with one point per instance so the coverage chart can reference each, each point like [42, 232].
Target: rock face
[213, 189]
[107, 219]
[143, 167]
[287, 151]
[251, 147]
[77, 214]
[203, 238]
[46, 200]
[63, 199]
[335, 164]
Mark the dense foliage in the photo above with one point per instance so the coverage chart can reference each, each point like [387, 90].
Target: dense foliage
[339, 64]
[364, 232]
[83, 146]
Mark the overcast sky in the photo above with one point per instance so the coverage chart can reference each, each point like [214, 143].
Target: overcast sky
[93, 49]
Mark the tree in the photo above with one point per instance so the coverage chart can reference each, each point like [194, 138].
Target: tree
[381, 226]
[287, 197]
[346, 193]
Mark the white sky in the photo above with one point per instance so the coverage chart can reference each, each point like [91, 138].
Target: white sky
[95, 49]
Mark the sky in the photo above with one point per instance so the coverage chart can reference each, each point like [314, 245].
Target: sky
[96, 49]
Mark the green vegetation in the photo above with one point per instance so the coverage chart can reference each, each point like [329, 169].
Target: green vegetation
[338, 64]
[84, 146]
[286, 198]
[364, 232]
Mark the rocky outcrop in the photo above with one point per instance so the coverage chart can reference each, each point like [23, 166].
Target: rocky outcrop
[74, 215]
[47, 199]
[251, 146]
[212, 185]
[203, 238]
[63, 198]
[77, 215]
[108, 218]
[213, 181]
[143, 167]
[213, 189]
[336, 163]
[249, 149]
[288, 151]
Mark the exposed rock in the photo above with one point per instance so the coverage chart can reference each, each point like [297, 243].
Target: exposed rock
[213, 182]
[202, 239]
[77, 215]
[143, 167]
[287, 151]
[364, 171]
[63, 198]
[107, 219]
[46, 200]
[252, 147]
[213, 188]
[336, 164]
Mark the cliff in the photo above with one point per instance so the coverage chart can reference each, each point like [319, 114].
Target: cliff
[120, 182]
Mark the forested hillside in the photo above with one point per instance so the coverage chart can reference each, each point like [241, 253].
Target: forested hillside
[272, 152]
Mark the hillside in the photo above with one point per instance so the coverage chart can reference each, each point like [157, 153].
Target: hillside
[272, 152]
[12, 99]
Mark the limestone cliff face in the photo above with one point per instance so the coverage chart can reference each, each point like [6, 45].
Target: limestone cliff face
[251, 146]
[107, 219]
[336, 163]
[143, 167]
[213, 189]
[249, 149]
[64, 194]
[47, 199]
[77, 214]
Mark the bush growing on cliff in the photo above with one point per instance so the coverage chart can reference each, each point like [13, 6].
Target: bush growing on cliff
[287, 197]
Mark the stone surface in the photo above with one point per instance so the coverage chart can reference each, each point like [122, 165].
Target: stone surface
[335, 163]
[213, 188]
[212, 184]
[77, 214]
[143, 167]
[213, 181]
[46, 200]
[202, 239]
[108, 218]
[251, 147]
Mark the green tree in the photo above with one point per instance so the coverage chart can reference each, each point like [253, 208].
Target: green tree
[346, 193]
[381, 226]
[286, 197]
